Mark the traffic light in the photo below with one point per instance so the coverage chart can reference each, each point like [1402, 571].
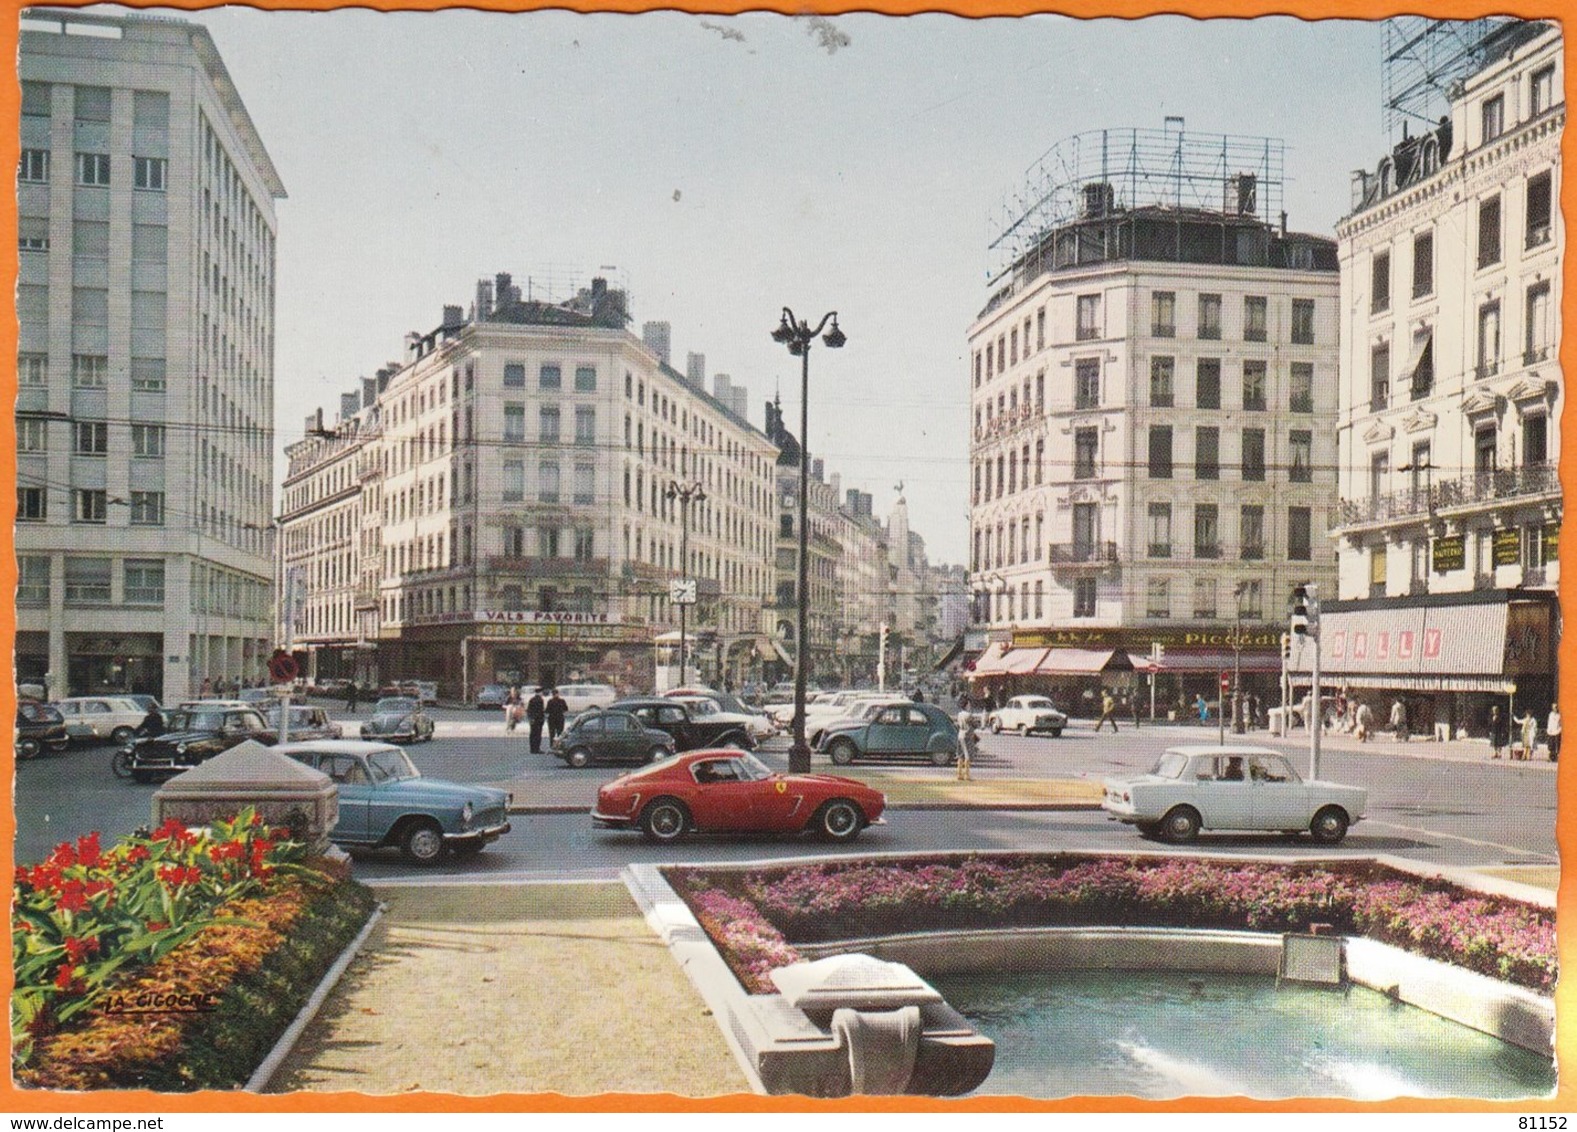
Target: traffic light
[1300, 610]
[1286, 648]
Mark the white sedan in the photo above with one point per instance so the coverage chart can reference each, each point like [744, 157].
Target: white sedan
[1027, 715]
[1231, 788]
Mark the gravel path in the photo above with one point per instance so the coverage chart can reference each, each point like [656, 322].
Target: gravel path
[522, 989]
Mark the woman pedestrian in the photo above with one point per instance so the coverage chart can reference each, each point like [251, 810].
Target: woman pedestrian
[967, 740]
[1363, 723]
[1399, 720]
[511, 703]
[1499, 732]
[1552, 732]
[1530, 733]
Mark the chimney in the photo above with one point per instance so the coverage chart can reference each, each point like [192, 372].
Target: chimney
[413, 344]
[816, 468]
[741, 402]
[312, 424]
[599, 288]
[454, 318]
[484, 300]
[349, 404]
[837, 484]
[383, 378]
[369, 391]
[502, 285]
[695, 370]
[723, 389]
[658, 335]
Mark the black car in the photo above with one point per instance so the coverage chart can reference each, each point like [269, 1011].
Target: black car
[611, 736]
[39, 728]
[688, 732]
[194, 734]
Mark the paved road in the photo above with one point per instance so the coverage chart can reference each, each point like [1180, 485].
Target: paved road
[1447, 811]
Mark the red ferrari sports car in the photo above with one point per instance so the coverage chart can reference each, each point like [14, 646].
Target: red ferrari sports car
[733, 791]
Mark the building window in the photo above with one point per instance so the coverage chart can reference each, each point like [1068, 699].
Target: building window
[147, 374]
[1536, 336]
[1204, 598]
[93, 169]
[1089, 326]
[514, 422]
[548, 542]
[1163, 313]
[1085, 441]
[1040, 329]
[512, 598]
[1380, 282]
[1303, 322]
[1207, 388]
[1158, 599]
[514, 375]
[149, 173]
[548, 424]
[514, 541]
[1207, 531]
[585, 424]
[34, 165]
[1489, 232]
[1488, 339]
[1423, 264]
[32, 505]
[1160, 530]
[1160, 452]
[1084, 597]
[550, 377]
[147, 508]
[1300, 541]
[1013, 346]
[1254, 318]
[88, 579]
[1300, 388]
[1492, 117]
[33, 369]
[147, 440]
[1210, 316]
[1251, 531]
[1161, 382]
[1541, 87]
[1040, 392]
[143, 581]
[1377, 569]
[1207, 453]
[1300, 453]
[1379, 474]
[90, 371]
[1040, 459]
[1379, 377]
[514, 481]
[1087, 383]
[32, 579]
[548, 481]
[585, 379]
[1254, 386]
[1535, 440]
[585, 542]
[92, 438]
[1253, 454]
[1423, 363]
[585, 483]
[1538, 210]
[32, 435]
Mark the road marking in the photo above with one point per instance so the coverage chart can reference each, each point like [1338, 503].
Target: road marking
[1468, 840]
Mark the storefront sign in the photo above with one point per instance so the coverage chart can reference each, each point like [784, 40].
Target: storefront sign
[1506, 547]
[602, 634]
[1139, 640]
[513, 617]
[1450, 553]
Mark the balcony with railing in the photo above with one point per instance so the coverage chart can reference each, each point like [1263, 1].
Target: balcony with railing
[1083, 555]
[1496, 485]
[540, 567]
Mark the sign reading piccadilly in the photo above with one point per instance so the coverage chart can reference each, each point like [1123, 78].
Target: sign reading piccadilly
[1450, 553]
[1506, 546]
[1142, 639]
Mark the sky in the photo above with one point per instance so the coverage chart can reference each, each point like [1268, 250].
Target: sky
[723, 168]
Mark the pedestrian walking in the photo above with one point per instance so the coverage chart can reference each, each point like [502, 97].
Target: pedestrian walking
[352, 694]
[1108, 711]
[1363, 723]
[208, 686]
[1499, 732]
[1530, 734]
[536, 713]
[557, 709]
[1399, 720]
[511, 703]
[1552, 732]
[1202, 706]
[968, 739]
[919, 696]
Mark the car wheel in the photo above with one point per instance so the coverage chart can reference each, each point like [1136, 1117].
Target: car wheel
[942, 758]
[657, 754]
[578, 758]
[1181, 824]
[120, 764]
[665, 821]
[1023, 729]
[27, 748]
[422, 843]
[1329, 825]
[843, 752]
[996, 726]
[121, 735]
[838, 820]
[1056, 733]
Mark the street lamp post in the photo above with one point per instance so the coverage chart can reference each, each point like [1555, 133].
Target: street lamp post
[686, 494]
[1237, 661]
[797, 335]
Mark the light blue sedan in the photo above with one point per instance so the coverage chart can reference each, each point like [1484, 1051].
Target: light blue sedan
[384, 801]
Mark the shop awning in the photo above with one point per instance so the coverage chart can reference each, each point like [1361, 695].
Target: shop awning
[1424, 640]
[1022, 662]
[1215, 660]
[1496, 685]
[951, 655]
[990, 662]
[1083, 662]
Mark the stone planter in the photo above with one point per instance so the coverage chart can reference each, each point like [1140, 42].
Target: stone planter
[285, 792]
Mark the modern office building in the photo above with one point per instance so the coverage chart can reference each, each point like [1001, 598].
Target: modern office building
[1450, 400]
[145, 361]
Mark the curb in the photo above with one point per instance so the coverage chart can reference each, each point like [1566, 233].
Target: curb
[287, 1041]
[1016, 807]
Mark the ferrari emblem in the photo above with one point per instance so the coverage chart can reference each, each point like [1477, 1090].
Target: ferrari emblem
[782, 786]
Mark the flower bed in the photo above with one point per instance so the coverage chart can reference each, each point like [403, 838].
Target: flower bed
[172, 960]
[756, 916]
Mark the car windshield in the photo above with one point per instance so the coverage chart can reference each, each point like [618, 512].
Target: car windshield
[1170, 765]
[39, 713]
[1038, 702]
[752, 769]
[391, 766]
[394, 704]
[699, 708]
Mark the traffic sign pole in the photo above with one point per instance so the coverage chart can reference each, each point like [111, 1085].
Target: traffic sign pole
[1221, 698]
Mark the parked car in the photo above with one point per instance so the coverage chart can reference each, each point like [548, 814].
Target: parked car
[1027, 715]
[1231, 788]
[94, 719]
[708, 710]
[398, 719]
[306, 723]
[492, 696]
[731, 791]
[39, 728]
[194, 735]
[385, 801]
[757, 722]
[689, 732]
[898, 730]
[423, 691]
[146, 703]
[333, 688]
[582, 697]
[859, 710]
[611, 736]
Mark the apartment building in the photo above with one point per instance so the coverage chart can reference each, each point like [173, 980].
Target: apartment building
[145, 361]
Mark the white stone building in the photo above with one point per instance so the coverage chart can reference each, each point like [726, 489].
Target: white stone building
[145, 361]
[1450, 402]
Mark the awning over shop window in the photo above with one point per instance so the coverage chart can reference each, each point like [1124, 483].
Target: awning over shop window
[1214, 660]
[990, 662]
[1083, 662]
[1022, 662]
[952, 654]
[1499, 686]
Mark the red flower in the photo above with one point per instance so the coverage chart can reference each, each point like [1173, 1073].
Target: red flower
[136, 854]
[156, 925]
[63, 857]
[63, 977]
[88, 851]
[257, 818]
[79, 949]
[172, 830]
[73, 897]
[279, 833]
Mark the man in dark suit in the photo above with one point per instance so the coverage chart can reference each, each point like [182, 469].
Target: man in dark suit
[536, 712]
[557, 709]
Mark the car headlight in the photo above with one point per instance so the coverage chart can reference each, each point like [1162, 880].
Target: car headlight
[180, 748]
[467, 812]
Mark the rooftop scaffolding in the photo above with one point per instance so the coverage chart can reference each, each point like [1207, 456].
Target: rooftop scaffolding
[1422, 60]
